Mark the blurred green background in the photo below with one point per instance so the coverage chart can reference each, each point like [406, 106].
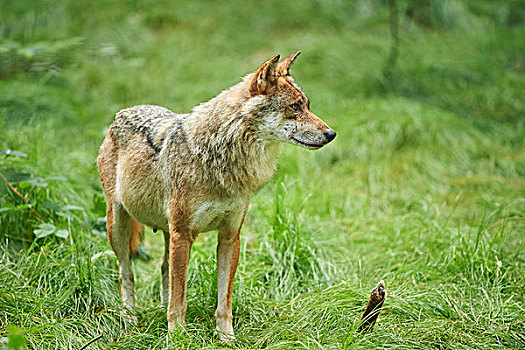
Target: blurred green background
[424, 185]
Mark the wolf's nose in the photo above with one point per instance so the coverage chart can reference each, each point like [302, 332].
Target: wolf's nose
[330, 135]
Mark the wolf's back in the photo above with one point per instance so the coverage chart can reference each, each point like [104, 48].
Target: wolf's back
[147, 121]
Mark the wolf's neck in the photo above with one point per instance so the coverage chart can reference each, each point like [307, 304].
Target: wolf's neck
[227, 144]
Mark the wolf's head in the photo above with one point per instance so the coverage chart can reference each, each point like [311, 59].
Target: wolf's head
[282, 108]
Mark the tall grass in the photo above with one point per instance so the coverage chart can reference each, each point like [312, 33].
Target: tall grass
[423, 187]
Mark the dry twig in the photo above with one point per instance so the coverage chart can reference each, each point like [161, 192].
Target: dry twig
[13, 188]
[91, 341]
[377, 297]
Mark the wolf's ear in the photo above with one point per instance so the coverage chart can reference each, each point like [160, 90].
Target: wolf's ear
[283, 68]
[264, 77]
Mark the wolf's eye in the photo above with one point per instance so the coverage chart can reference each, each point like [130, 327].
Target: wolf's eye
[294, 106]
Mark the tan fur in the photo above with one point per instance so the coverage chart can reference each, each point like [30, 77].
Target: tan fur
[191, 173]
[136, 237]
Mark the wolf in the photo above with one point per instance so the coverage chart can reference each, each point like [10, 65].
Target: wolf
[185, 174]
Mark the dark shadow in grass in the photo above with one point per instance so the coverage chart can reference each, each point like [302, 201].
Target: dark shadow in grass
[457, 89]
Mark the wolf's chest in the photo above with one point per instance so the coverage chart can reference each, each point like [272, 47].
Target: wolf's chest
[213, 214]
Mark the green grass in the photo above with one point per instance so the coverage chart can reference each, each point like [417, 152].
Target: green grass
[423, 187]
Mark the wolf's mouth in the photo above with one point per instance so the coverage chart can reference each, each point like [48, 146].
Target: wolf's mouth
[309, 145]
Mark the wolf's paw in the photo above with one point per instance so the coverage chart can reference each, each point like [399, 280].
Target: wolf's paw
[225, 337]
[130, 316]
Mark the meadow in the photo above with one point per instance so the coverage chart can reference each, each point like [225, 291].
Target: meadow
[423, 187]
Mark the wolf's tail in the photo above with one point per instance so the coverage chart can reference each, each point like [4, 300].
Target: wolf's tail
[137, 230]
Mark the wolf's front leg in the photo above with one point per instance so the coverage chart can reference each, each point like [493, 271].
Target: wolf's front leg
[179, 255]
[228, 249]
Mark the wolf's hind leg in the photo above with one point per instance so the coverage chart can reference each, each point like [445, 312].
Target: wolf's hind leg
[119, 239]
[164, 292]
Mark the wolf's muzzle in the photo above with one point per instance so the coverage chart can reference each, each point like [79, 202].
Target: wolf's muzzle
[330, 135]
